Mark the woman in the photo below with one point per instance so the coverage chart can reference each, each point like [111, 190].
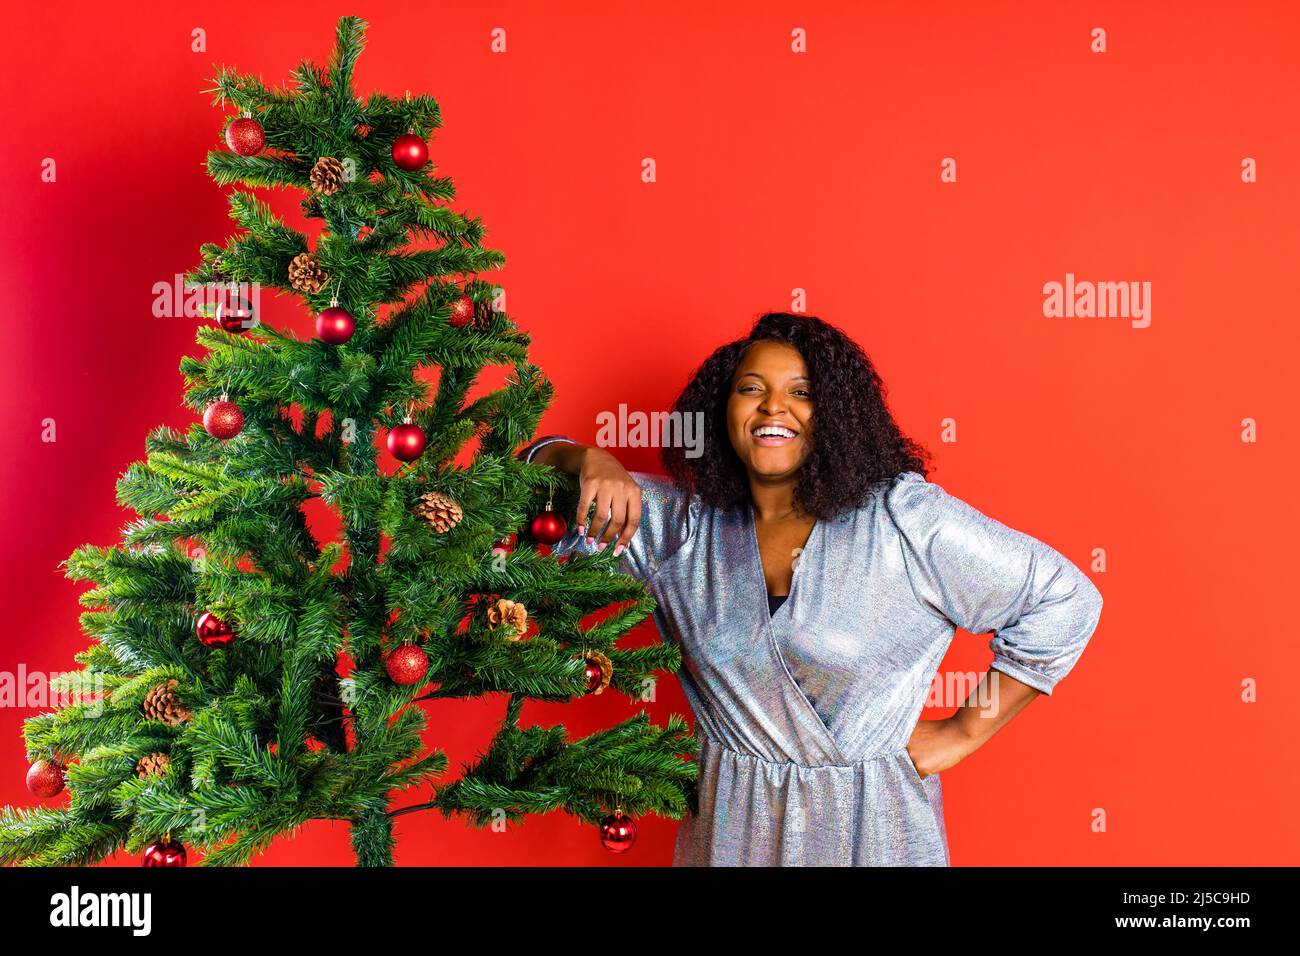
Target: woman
[813, 577]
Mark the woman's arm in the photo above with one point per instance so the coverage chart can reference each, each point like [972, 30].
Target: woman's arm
[602, 481]
[941, 744]
[984, 576]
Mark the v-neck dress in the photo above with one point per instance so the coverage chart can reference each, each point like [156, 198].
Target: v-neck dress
[804, 713]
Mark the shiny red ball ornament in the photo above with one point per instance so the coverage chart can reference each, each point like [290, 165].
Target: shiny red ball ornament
[407, 665]
[245, 136]
[223, 419]
[235, 314]
[45, 778]
[462, 312]
[212, 631]
[593, 674]
[410, 152]
[163, 853]
[335, 325]
[617, 832]
[406, 442]
[548, 527]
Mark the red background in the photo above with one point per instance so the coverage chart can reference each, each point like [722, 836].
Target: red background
[775, 171]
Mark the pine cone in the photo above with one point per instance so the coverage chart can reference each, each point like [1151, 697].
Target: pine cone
[306, 274]
[510, 613]
[440, 511]
[483, 313]
[606, 668]
[327, 176]
[152, 765]
[162, 703]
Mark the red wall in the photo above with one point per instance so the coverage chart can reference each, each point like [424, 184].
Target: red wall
[775, 171]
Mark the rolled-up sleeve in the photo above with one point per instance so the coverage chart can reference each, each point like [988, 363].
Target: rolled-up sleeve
[668, 518]
[985, 576]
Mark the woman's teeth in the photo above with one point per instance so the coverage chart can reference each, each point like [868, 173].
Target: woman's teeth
[773, 435]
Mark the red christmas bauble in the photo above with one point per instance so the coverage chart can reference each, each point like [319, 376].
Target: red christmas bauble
[163, 853]
[617, 832]
[410, 152]
[505, 545]
[594, 675]
[45, 778]
[235, 314]
[462, 312]
[548, 527]
[212, 631]
[245, 136]
[407, 665]
[223, 420]
[335, 325]
[406, 442]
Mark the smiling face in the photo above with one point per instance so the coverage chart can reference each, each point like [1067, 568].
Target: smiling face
[769, 410]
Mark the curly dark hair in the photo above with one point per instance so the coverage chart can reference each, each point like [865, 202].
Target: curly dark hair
[856, 441]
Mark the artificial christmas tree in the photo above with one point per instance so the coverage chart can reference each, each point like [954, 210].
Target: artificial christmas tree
[300, 698]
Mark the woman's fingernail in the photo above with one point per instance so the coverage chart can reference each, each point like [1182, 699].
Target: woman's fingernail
[582, 529]
[591, 539]
[619, 549]
[601, 546]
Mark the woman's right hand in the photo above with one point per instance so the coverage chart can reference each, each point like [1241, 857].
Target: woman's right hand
[602, 480]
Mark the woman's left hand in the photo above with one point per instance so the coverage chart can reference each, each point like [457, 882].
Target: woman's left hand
[937, 745]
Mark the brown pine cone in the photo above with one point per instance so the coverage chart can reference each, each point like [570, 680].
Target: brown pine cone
[606, 668]
[327, 176]
[152, 765]
[510, 613]
[306, 274]
[440, 511]
[162, 703]
[482, 315]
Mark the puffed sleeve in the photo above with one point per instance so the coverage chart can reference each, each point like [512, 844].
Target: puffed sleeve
[984, 576]
[669, 516]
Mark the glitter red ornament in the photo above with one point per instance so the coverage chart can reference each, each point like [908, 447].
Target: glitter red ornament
[335, 325]
[407, 665]
[462, 312]
[235, 314]
[45, 778]
[410, 152]
[223, 419]
[617, 832]
[406, 442]
[212, 631]
[164, 853]
[245, 136]
[548, 527]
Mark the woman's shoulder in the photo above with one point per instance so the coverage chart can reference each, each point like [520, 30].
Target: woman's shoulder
[904, 488]
[909, 499]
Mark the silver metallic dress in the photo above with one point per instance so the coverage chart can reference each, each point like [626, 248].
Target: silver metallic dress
[804, 715]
